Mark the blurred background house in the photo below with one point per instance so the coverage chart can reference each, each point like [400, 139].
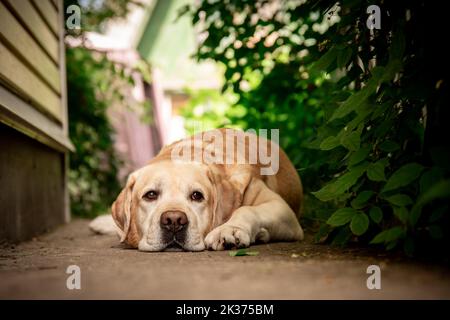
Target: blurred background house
[36, 180]
[156, 33]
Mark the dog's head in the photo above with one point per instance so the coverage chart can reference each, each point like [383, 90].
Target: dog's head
[170, 205]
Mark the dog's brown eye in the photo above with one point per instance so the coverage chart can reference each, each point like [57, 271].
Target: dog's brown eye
[151, 195]
[197, 196]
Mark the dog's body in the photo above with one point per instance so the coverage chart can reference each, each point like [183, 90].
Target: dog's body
[179, 201]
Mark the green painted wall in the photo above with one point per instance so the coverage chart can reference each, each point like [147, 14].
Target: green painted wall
[166, 41]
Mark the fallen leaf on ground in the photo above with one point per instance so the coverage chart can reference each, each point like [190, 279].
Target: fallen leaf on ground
[242, 252]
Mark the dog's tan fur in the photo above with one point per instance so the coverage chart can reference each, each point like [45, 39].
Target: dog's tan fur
[241, 207]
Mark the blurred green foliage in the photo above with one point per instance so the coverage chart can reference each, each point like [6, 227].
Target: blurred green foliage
[94, 84]
[93, 183]
[359, 111]
[206, 109]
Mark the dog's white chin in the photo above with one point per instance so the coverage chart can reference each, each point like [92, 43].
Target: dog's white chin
[158, 246]
[173, 249]
[146, 246]
[200, 246]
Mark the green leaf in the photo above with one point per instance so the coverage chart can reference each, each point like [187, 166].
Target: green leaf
[409, 246]
[391, 245]
[376, 214]
[351, 141]
[377, 75]
[380, 110]
[375, 171]
[441, 156]
[357, 99]
[322, 234]
[325, 60]
[351, 104]
[401, 213]
[436, 231]
[344, 57]
[438, 191]
[359, 224]
[342, 237]
[430, 178]
[242, 252]
[362, 198]
[359, 155]
[403, 176]
[389, 235]
[389, 146]
[400, 200]
[340, 185]
[398, 45]
[393, 67]
[329, 143]
[383, 128]
[341, 216]
[437, 214]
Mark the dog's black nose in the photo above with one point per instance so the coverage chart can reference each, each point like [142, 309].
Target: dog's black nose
[173, 220]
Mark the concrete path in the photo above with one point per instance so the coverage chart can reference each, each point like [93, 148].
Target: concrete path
[37, 269]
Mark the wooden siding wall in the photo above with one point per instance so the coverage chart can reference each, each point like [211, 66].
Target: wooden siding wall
[33, 118]
[32, 62]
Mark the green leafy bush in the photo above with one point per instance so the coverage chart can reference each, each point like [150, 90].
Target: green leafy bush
[359, 110]
[93, 183]
[95, 83]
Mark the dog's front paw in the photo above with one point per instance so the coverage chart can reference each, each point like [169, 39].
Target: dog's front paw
[226, 237]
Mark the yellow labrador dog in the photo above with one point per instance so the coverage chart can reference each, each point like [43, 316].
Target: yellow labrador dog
[216, 190]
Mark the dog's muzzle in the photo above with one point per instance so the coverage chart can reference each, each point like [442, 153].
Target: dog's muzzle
[173, 229]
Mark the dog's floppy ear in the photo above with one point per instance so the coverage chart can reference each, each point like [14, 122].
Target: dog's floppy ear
[228, 195]
[121, 208]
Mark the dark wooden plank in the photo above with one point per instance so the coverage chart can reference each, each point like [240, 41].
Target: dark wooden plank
[31, 186]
